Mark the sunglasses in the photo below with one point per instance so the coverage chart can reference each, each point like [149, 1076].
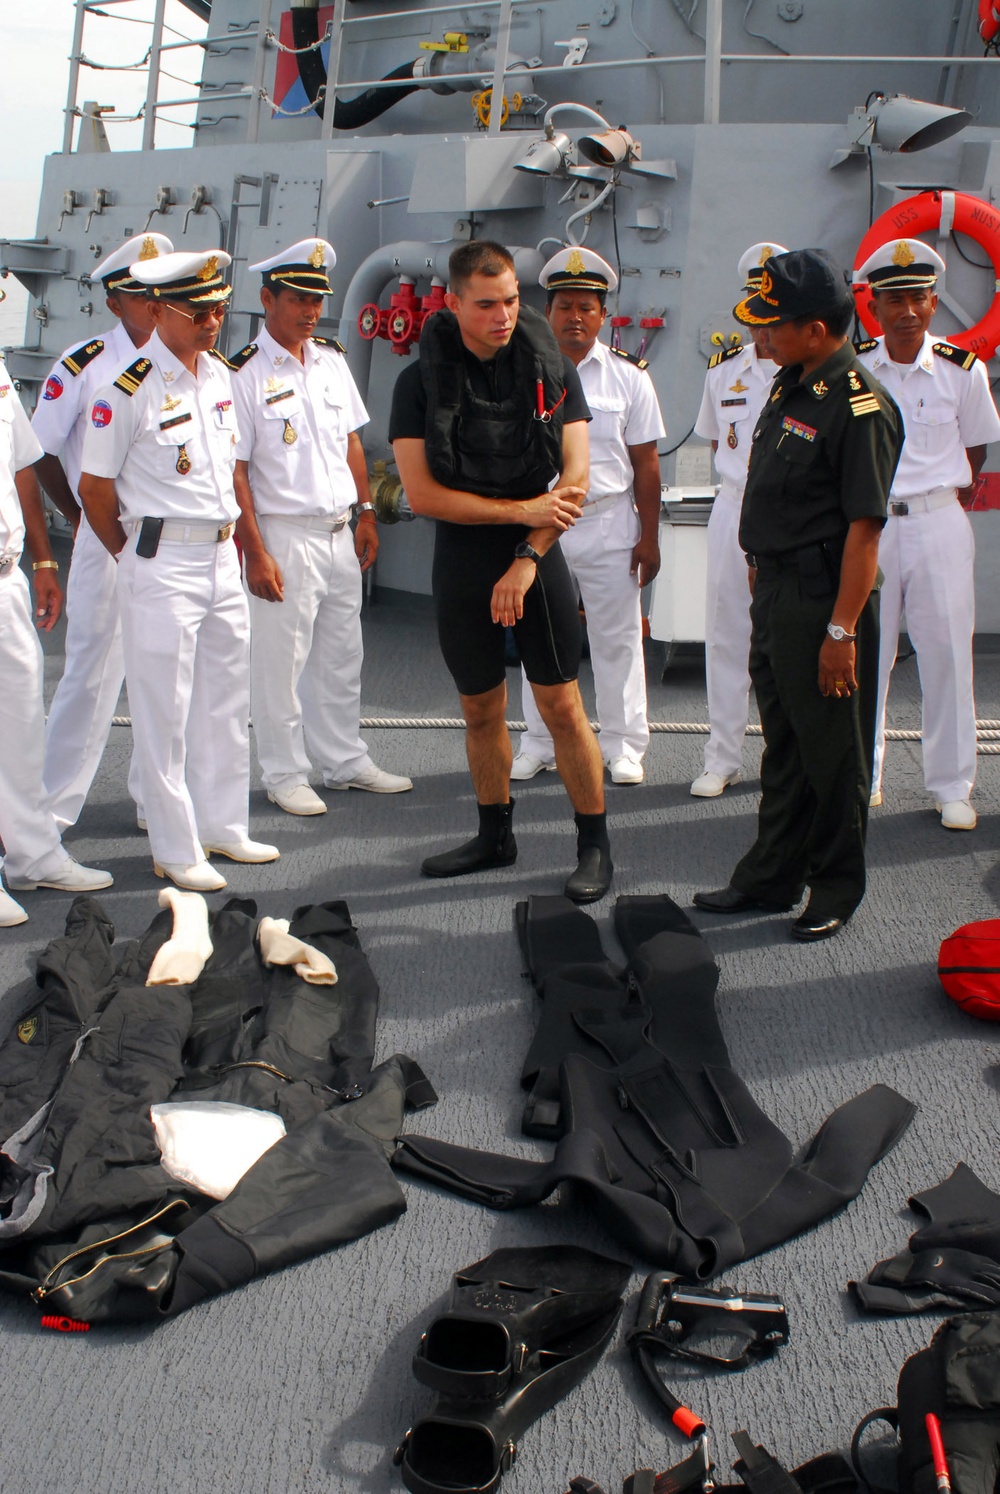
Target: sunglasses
[202, 318]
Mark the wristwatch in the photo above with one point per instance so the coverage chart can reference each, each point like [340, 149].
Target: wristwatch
[839, 634]
[364, 508]
[524, 551]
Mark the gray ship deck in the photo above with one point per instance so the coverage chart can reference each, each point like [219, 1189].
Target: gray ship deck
[301, 1382]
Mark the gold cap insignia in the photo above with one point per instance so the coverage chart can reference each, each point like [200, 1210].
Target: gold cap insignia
[149, 249]
[765, 254]
[766, 284]
[575, 264]
[27, 1029]
[317, 258]
[209, 270]
[903, 254]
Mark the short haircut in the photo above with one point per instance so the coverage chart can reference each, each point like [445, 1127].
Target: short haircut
[556, 290]
[837, 319]
[477, 257]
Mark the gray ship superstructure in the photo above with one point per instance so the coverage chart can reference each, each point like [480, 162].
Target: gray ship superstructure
[666, 135]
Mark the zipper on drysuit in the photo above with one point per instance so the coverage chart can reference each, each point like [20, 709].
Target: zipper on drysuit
[45, 1289]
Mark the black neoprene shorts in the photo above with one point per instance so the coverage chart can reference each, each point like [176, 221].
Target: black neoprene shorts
[469, 560]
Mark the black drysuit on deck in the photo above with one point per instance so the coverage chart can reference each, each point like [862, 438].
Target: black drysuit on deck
[89, 1221]
[630, 1074]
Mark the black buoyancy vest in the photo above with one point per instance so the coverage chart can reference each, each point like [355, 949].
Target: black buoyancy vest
[495, 448]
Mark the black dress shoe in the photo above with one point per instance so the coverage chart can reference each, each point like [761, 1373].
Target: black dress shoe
[732, 900]
[811, 926]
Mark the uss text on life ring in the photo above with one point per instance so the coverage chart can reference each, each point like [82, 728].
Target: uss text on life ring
[946, 211]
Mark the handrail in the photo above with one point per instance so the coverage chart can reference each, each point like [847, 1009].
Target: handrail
[712, 59]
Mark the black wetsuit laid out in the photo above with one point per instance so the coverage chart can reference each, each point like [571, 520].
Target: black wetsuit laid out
[90, 1223]
[629, 1073]
[489, 442]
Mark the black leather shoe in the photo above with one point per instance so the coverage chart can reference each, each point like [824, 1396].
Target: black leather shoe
[592, 877]
[732, 900]
[812, 926]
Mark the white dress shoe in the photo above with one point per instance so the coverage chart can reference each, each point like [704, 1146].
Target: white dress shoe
[711, 785]
[525, 766]
[625, 769]
[300, 799]
[140, 822]
[958, 814]
[11, 913]
[242, 850]
[875, 799]
[197, 878]
[377, 781]
[69, 876]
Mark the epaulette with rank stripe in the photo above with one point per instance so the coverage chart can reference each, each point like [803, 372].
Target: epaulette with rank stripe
[718, 358]
[864, 403]
[961, 356]
[244, 355]
[630, 358]
[221, 357]
[866, 346]
[330, 342]
[77, 361]
[130, 378]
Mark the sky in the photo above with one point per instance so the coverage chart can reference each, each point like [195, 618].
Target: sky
[35, 41]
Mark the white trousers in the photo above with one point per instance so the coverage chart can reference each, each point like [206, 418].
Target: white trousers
[928, 560]
[306, 655]
[84, 704]
[727, 638]
[598, 551]
[186, 633]
[29, 833]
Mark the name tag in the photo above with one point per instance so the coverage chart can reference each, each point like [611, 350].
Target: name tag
[796, 428]
[272, 399]
[727, 402]
[166, 425]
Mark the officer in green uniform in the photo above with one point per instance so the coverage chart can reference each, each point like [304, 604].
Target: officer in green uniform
[824, 453]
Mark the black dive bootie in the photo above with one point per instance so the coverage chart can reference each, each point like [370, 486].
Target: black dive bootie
[493, 846]
[594, 869]
[507, 1311]
[542, 1347]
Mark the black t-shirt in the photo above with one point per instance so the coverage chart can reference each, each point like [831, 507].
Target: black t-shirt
[489, 379]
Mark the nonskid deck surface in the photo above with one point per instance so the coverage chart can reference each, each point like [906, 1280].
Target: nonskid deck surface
[301, 1382]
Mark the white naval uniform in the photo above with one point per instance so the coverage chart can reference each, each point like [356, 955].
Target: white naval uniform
[306, 651]
[28, 831]
[733, 397]
[184, 616]
[598, 550]
[86, 697]
[927, 555]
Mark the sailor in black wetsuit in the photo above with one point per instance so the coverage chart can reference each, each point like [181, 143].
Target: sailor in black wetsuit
[492, 415]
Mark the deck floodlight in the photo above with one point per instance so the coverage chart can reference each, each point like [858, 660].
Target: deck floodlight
[610, 148]
[899, 123]
[548, 156]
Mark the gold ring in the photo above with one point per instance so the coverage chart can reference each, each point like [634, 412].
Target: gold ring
[839, 684]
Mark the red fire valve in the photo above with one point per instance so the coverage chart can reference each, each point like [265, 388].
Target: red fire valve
[370, 322]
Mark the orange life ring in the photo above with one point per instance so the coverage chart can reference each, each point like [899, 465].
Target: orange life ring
[956, 211]
[989, 20]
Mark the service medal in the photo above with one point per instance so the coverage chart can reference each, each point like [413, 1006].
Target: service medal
[732, 440]
[183, 461]
[291, 436]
